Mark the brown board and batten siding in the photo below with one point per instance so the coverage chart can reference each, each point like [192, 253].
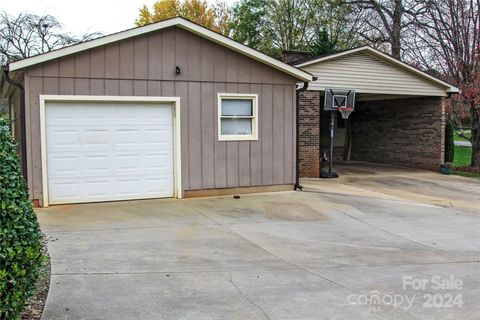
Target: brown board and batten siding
[145, 66]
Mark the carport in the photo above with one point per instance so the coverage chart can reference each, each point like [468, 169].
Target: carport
[399, 115]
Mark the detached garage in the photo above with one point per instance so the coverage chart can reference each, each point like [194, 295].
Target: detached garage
[170, 109]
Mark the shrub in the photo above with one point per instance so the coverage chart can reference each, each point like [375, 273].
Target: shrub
[20, 248]
[449, 143]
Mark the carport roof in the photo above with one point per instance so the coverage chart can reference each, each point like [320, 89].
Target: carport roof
[174, 22]
[309, 65]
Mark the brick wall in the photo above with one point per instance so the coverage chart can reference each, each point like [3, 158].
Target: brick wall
[407, 132]
[314, 133]
[309, 135]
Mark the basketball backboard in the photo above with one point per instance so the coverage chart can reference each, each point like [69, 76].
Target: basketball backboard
[335, 98]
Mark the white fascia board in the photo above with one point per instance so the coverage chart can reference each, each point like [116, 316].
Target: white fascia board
[321, 87]
[385, 57]
[179, 22]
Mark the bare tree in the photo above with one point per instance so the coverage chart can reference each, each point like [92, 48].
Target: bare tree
[447, 39]
[27, 35]
[386, 21]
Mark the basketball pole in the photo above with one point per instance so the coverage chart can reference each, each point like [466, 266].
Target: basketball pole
[330, 173]
[332, 129]
[343, 102]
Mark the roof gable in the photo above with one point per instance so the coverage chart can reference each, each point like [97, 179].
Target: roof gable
[178, 22]
[370, 71]
[154, 57]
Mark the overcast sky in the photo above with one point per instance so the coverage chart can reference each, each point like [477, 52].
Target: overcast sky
[81, 16]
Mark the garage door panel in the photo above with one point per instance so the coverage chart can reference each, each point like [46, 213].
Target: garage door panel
[115, 113]
[106, 188]
[94, 137]
[109, 163]
[64, 165]
[91, 138]
[63, 138]
[126, 158]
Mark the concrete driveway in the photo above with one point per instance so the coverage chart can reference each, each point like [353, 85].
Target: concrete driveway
[350, 253]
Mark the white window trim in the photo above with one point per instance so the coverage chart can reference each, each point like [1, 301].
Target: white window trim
[177, 156]
[232, 137]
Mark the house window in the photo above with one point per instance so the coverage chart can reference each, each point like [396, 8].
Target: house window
[237, 117]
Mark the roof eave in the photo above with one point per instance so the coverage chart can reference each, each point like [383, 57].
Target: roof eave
[448, 87]
[179, 22]
[453, 89]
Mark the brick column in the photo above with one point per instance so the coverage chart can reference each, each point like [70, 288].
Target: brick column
[309, 110]
[408, 132]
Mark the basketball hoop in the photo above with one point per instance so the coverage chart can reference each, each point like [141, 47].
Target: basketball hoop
[345, 111]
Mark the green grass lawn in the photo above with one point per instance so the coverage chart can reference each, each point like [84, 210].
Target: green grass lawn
[456, 136]
[467, 174]
[462, 158]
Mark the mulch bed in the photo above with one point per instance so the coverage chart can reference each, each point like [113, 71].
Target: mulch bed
[34, 306]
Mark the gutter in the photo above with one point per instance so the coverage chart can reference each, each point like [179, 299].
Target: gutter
[23, 142]
[297, 135]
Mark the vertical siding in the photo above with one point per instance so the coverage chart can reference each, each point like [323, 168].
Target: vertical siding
[208, 115]
[36, 88]
[256, 160]
[232, 156]
[266, 123]
[220, 147]
[145, 66]
[181, 90]
[244, 151]
[195, 135]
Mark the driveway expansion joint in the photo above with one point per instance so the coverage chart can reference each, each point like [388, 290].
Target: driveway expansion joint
[247, 297]
[278, 257]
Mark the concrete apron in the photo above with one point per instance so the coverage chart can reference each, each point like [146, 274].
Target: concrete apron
[287, 255]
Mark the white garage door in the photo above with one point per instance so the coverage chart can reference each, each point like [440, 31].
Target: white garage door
[102, 151]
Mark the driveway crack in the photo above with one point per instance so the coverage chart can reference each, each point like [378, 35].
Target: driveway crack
[247, 297]
[298, 267]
